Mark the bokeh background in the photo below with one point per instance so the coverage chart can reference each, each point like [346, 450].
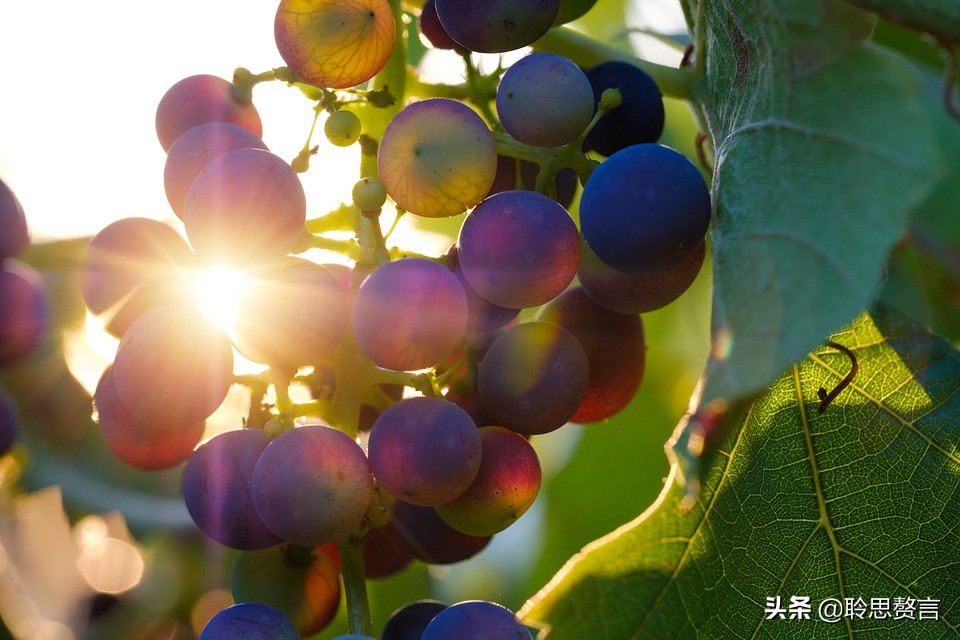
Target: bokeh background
[92, 549]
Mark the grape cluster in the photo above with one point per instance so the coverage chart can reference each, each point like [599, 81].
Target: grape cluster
[425, 387]
[24, 304]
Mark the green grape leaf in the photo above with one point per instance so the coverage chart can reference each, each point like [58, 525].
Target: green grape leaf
[822, 149]
[860, 501]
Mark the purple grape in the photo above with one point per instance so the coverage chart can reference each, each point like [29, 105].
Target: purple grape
[433, 32]
[249, 621]
[291, 313]
[173, 367]
[246, 206]
[14, 236]
[495, 26]
[646, 208]
[312, 485]
[409, 621]
[217, 489]
[132, 265]
[544, 100]
[615, 349]
[198, 99]
[430, 539]
[533, 378]
[8, 422]
[476, 620]
[24, 311]
[141, 444]
[482, 315]
[627, 293]
[194, 150]
[519, 249]
[638, 119]
[505, 487]
[384, 553]
[409, 314]
[507, 179]
[425, 451]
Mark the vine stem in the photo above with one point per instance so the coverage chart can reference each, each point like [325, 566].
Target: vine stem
[355, 585]
[587, 52]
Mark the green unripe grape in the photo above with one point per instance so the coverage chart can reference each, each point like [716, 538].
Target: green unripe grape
[369, 194]
[342, 128]
[611, 98]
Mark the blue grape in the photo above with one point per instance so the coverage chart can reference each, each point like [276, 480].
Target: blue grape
[476, 620]
[249, 621]
[198, 99]
[312, 485]
[409, 621]
[544, 100]
[409, 314]
[533, 378]
[24, 311]
[194, 150]
[8, 422]
[646, 208]
[425, 451]
[14, 236]
[217, 489]
[495, 26]
[519, 249]
[638, 119]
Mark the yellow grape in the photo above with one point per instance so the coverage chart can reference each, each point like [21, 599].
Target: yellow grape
[334, 43]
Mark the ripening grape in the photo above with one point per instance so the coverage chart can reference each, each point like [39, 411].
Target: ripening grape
[409, 314]
[312, 485]
[302, 583]
[342, 128]
[627, 293]
[505, 486]
[194, 150]
[615, 349]
[477, 620]
[173, 367]
[246, 206]
[132, 265]
[646, 208]
[519, 249]
[409, 621]
[14, 236]
[496, 26]
[141, 444]
[533, 378]
[430, 539]
[437, 158]
[432, 32]
[198, 99]
[638, 119]
[334, 43]
[24, 311]
[384, 553]
[290, 313]
[425, 451]
[216, 489]
[8, 422]
[544, 100]
[250, 621]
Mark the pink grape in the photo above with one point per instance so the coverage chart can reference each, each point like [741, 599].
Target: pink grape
[198, 99]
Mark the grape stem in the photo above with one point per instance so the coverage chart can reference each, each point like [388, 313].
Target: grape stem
[355, 585]
[587, 52]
